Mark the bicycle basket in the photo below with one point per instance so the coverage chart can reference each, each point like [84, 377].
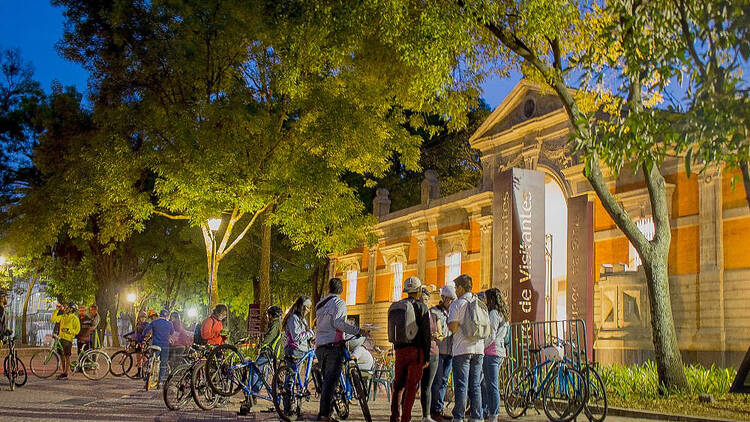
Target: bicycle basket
[553, 353]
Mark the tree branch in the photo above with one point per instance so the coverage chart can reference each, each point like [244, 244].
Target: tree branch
[170, 216]
[687, 35]
[247, 227]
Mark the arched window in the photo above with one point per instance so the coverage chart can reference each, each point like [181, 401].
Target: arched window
[397, 268]
[646, 226]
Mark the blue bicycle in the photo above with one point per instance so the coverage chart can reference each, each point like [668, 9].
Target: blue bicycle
[351, 386]
[228, 372]
[559, 385]
[292, 382]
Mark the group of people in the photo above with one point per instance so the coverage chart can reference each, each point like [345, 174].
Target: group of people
[165, 330]
[447, 340]
[69, 326]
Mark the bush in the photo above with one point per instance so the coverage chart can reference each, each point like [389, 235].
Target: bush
[641, 381]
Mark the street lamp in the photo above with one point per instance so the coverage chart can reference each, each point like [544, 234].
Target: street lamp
[213, 225]
[192, 313]
[3, 260]
[131, 297]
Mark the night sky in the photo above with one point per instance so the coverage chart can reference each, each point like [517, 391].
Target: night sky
[34, 26]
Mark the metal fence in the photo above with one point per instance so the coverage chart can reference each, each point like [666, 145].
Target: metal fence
[527, 339]
[39, 329]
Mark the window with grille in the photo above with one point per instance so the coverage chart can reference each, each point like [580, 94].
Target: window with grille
[646, 226]
[397, 269]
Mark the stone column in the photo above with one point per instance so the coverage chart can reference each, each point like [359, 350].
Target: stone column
[710, 316]
[422, 255]
[371, 271]
[485, 251]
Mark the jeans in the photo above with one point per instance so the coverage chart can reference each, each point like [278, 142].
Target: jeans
[331, 359]
[490, 391]
[467, 376]
[164, 357]
[407, 374]
[255, 377]
[444, 367]
[428, 378]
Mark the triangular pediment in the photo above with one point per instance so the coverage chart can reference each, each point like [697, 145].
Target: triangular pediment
[525, 102]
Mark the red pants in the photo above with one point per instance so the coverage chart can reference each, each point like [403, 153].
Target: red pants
[408, 373]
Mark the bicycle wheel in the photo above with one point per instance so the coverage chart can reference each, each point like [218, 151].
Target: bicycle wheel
[44, 363]
[176, 390]
[517, 392]
[120, 363]
[340, 403]
[152, 377]
[564, 394]
[20, 373]
[202, 394]
[10, 372]
[360, 389]
[224, 374]
[596, 405]
[95, 364]
[286, 393]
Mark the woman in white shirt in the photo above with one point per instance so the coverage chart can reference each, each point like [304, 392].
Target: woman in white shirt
[494, 353]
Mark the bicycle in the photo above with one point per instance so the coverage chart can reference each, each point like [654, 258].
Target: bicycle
[46, 363]
[178, 388]
[562, 390]
[596, 404]
[151, 367]
[13, 366]
[228, 371]
[122, 360]
[351, 386]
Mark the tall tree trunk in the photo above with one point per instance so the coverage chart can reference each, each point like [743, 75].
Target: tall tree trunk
[32, 282]
[264, 297]
[107, 300]
[746, 180]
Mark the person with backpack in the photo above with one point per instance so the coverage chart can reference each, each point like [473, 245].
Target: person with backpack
[445, 345]
[211, 329]
[494, 353]
[468, 321]
[428, 374]
[409, 331]
[162, 329]
[331, 326]
[271, 342]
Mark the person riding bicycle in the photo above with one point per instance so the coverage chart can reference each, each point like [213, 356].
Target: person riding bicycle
[212, 328]
[162, 329]
[69, 328]
[270, 344]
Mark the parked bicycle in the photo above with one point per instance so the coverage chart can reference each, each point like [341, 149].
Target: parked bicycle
[13, 366]
[291, 385]
[561, 387]
[228, 371]
[93, 363]
[179, 388]
[123, 360]
[151, 367]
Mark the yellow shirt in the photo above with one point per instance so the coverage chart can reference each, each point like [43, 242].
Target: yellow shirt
[69, 325]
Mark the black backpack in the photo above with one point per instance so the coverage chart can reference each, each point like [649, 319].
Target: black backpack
[197, 338]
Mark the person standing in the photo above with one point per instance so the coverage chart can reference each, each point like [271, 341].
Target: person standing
[212, 327]
[162, 329]
[95, 338]
[467, 354]
[181, 338]
[69, 328]
[494, 353]
[331, 327]
[83, 339]
[3, 304]
[409, 331]
[445, 358]
[428, 374]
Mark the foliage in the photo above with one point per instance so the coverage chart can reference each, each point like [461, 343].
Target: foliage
[637, 387]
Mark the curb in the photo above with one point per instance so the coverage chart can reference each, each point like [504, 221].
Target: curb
[645, 414]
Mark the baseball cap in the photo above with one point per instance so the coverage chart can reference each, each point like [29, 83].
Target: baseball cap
[164, 313]
[448, 291]
[412, 285]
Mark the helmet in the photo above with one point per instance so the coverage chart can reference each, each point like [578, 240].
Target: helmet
[72, 305]
[152, 313]
[274, 311]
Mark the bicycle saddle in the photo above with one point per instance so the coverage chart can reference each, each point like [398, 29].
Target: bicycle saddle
[154, 348]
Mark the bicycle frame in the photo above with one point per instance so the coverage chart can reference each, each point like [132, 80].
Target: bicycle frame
[252, 369]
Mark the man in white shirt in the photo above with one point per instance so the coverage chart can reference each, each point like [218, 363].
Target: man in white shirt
[467, 355]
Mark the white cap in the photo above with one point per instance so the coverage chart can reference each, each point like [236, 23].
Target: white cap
[448, 291]
[412, 285]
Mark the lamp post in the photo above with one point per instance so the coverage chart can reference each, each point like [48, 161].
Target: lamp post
[213, 226]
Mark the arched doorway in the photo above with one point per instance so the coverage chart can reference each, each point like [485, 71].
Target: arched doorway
[556, 246]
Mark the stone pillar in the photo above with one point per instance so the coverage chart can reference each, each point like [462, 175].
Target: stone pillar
[422, 255]
[710, 316]
[430, 187]
[485, 251]
[371, 272]
[381, 205]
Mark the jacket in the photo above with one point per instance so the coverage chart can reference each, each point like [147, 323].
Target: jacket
[298, 336]
[162, 329]
[272, 337]
[211, 331]
[69, 325]
[331, 316]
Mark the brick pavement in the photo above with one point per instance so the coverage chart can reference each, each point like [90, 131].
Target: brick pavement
[120, 399]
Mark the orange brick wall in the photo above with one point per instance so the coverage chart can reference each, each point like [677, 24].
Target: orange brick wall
[684, 252]
[610, 251]
[685, 196]
[733, 197]
[736, 234]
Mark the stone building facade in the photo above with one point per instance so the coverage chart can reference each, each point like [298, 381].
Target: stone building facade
[709, 264]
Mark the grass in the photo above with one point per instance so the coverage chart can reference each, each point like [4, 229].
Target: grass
[637, 387]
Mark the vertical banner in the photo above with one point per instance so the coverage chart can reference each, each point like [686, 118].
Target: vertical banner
[518, 249]
[579, 295]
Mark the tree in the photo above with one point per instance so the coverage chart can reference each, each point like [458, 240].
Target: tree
[246, 106]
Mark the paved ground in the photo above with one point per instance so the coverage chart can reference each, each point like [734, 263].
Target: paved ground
[119, 399]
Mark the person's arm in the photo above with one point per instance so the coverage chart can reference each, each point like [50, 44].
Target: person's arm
[55, 318]
[339, 319]
[454, 317]
[76, 327]
[494, 326]
[149, 327]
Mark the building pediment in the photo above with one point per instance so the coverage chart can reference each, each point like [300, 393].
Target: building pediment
[395, 252]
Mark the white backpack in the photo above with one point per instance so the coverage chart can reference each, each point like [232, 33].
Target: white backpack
[402, 322]
[476, 324]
